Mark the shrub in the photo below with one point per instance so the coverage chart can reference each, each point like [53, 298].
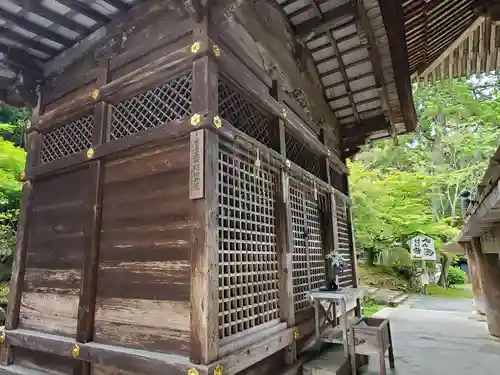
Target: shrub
[455, 276]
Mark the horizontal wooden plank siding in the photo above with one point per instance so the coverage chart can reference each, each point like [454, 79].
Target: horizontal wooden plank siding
[56, 244]
[144, 267]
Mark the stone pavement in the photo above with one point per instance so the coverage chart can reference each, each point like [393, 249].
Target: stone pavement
[435, 336]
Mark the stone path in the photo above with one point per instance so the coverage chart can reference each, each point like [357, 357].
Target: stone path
[435, 336]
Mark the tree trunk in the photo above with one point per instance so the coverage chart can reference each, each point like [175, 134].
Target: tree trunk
[370, 257]
[445, 265]
[489, 271]
[475, 279]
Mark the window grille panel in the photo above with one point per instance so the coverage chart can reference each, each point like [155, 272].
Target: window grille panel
[162, 104]
[302, 156]
[308, 260]
[345, 278]
[248, 259]
[242, 114]
[66, 140]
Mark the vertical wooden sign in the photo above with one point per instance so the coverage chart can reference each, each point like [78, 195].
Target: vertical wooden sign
[196, 164]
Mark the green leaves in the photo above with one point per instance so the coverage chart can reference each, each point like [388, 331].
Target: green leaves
[413, 187]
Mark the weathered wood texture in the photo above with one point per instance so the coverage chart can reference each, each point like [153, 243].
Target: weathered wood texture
[475, 279]
[55, 249]
[147, 29]
[143, 278]
[489, 270]
[45, 363]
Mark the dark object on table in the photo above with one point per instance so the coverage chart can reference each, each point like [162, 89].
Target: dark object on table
[330, 286]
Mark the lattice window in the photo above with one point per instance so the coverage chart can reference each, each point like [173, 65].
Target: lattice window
[248, 259]
[308, 260]
[337, 181]
[345, 278]
[242, 114]
[162, 104]
[67, 139]
[302, 156]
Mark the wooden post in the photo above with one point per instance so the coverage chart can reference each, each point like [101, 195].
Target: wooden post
[475, 279]
[489, 271]
[90, 261]
[204, 154]
[22, 238]
[283, 229]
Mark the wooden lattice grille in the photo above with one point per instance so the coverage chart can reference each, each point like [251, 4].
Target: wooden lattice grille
[242, 113]
[162, 104]
[66, 140]
[302, 156]
[248, 259]
[308, 259]
[345, 278]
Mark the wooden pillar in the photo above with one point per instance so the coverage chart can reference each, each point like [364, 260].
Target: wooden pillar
[283, 228]
[475, 279]
[489, 271]
[204, 150]
[22, 238]
[90, 261]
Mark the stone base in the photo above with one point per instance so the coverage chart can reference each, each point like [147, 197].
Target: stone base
[332, 362]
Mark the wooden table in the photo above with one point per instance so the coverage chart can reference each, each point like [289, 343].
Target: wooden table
[330, 331]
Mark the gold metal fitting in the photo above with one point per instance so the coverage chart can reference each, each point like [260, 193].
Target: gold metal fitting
[216, 50]
[219, 370]
[75, 351]
[288, 163]
[192, 371]
[28, 124]
[22, 176]
[94, 94]
[217, 122]
[195, 47]
[2, 337]
[195, 119]
[90, 153]
[329, 153]
[283, 113]
[296, 334]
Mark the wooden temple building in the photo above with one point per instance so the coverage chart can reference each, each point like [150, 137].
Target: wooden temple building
[186, 171]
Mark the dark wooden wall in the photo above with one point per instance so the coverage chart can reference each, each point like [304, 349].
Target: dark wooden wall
[56, 244]
[144, 271]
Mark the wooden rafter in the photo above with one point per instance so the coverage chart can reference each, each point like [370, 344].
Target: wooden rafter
[38, 9]
[345, 77]
[31, 43]
[86, 10]
[376, 65]
[20, 60]
[321, 25]
[119, 4]
[34, 28]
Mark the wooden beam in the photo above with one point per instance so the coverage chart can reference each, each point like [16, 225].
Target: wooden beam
[284, 231]
[35, 28]
[392, 14]
[133, 360]
[204, 156]
[22, 238]
[377, 67]
[90, 261]
[37, 8]
[137, 16]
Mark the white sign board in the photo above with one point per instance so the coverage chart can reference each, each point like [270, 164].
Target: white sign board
[422, 248]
